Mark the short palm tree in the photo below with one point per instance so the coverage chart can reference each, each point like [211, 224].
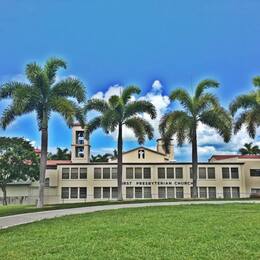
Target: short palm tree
[201, 107]
[43, 95]
[101, 158]
[249, 149]
[117, 112]
[250, 104]
[61, 154]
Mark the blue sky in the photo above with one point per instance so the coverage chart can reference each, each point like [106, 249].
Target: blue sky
[108, 43]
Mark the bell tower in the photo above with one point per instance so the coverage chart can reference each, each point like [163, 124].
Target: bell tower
[80, 147]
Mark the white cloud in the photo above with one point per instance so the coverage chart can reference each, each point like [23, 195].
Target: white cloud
[157, 85]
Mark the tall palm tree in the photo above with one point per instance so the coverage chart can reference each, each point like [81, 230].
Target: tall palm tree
[250, 104]
[43, 95]
[117, 112]
[61, 154]
[202, 107]
[249, 149]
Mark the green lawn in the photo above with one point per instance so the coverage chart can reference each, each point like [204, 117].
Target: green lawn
[179, 232]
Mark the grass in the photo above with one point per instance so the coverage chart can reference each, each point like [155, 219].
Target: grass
[230, 231]
[20, 209]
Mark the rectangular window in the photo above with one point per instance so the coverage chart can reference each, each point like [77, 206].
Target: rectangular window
[234, 173]
[212, 192]
[65, 173]
[203, 192]
[47, 182]
[97, 173]
[161, 173]
[225, 173]
[138, 173]
[179, 192]
[83, 192]
[80, 152]
[147, 173]
[64, 192]
[138, 193]
[170, 173]
[255, 191]
[226, 192]
[106, 193]
[211, 173]
[255, 172]
[106, 173]
[179, 173]
[129, 192]
[202, 173]
[74, 193]
[147, 192]
[97, 192]
[83, 173]
[235, 192]
[114, 192]
[79, 137]
[129, 173]
[114, 173]
[74, 173]
[161, 192]
[170, 192]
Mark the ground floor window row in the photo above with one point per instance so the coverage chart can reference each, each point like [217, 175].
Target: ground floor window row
[73, 192]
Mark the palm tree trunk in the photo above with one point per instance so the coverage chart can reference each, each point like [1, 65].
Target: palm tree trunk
[119, 162]
[194, 163]
[3, 186]
[44, 149]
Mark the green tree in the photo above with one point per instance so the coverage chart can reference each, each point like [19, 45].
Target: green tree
[61, 154]
[249, 149]
[43, 95]
[202, 107]
[117, 112]
[18, 162]
[250, 106]
[101, 158]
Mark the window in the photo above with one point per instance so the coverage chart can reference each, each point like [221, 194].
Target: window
[106, 193]
[138, 192]
[114, 173]
[114, 193]
[138, 173]
[74, 173]
[202, 173]
[129, 173]
[106, 173]
[74, 193]
[97, 192]
[211, 173]
[255, 190]
[79, 137]
[255, 172]
[161, 173]
[203, 192]
[147, 192]
[64, 193]
[80, 152]
[83, 173]
[226, 192]
[65, 173]
[141, 154]
[170, 173]
[212, 192]
[170, 192]
[234, 173]
[179, 173]
[147, 173]
[47, 182]
[235, 192]
[129, 192]
[161, 193]
[83, 192]
[97, 173]
[179, 192]
[225, 173]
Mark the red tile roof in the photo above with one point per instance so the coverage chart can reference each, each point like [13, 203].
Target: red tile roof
[239, 156]
[56, 162]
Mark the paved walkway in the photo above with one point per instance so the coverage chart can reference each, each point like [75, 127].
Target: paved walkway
[15, 220]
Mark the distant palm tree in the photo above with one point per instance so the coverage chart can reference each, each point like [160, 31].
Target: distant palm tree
[61, 154]
[119, 111]
[101, 158]
[43, 95]
[250, 104]
[249, 149]
[200, 107]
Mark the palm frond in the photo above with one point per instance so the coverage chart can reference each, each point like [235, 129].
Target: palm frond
[137, 128]
[140, 106]
[256, 81]
[244, 102]
[206, 101]
[99, 105]
[128, 92]
[114, 101]
[92, 125]
[51, 67]
[203, 85]
[8, 90]
[183, 97]
[32, 71]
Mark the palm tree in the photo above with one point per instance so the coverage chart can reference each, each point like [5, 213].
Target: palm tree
[117, 112]
[101, 158]
[61, 154]
[250, 104]
[249, 149]
[202, 107]
[43, 95]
